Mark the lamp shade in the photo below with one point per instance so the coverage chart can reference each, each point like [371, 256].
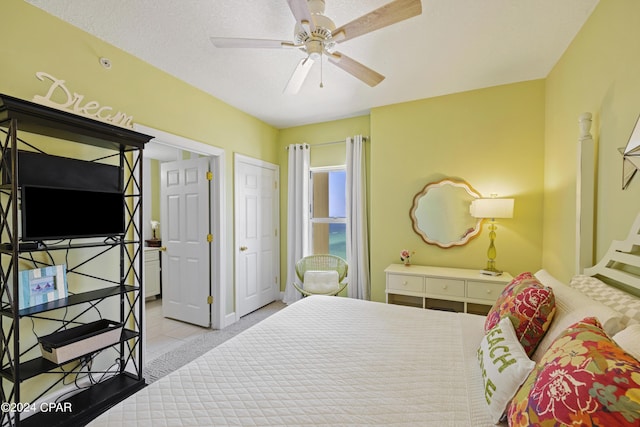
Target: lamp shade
[492, 208]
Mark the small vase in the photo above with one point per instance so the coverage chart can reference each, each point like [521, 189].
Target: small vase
[407, 262]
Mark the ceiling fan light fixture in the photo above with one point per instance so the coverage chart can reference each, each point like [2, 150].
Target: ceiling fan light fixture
[314, 49]
[315, 34]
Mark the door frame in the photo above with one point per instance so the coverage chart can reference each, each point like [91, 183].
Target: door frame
[237, 158]
[218, 260]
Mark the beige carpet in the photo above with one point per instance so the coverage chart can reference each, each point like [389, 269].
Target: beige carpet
[174, 359]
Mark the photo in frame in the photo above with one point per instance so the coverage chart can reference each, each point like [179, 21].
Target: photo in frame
[42, 285]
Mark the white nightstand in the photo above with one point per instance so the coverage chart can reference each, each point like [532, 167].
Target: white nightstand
[456, 289]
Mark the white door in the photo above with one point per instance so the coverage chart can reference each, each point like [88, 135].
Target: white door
[184, 217]
[256, 230]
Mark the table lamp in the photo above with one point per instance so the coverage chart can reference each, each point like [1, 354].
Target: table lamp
[491, 209]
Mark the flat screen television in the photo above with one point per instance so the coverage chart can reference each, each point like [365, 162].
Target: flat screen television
[60, 213]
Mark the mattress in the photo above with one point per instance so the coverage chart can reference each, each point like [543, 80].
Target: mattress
[326, 361]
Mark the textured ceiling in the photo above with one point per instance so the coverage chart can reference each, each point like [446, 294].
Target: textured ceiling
[454, 46]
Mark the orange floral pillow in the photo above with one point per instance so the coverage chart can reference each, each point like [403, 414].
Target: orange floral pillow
[530, 306]
[583, 379]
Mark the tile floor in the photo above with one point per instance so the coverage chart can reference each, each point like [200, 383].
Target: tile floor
[164, 335]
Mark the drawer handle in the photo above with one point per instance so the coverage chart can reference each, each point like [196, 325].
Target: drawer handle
[488, 291]
[445, 286]
[405, 283]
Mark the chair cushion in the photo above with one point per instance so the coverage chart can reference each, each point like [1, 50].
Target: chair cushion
[321, 282]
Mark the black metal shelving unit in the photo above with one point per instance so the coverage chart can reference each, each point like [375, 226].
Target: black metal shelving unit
[19, 121]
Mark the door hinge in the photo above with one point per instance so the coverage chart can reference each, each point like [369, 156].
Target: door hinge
[210, 299]
[276, 232]
[209, 238]
[275, 279]
[275, 184]
[209, 176]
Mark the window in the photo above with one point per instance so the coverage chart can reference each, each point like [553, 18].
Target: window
[328, 211]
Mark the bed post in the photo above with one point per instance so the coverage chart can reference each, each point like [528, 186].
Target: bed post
[585, 195]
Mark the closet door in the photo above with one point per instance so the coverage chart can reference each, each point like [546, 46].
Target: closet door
[257, 258]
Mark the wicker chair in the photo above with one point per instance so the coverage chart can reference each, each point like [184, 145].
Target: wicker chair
[324, 262]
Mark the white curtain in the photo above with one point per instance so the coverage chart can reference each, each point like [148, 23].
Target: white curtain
[297, 214]
[357, 236]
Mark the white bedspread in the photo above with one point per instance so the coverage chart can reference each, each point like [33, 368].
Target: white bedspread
[326, 361]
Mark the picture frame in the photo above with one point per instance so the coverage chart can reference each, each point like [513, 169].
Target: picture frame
[41, 285]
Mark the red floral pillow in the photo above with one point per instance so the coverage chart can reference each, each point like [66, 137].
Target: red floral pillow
[518, 279]
[530, 306]
[583, 379]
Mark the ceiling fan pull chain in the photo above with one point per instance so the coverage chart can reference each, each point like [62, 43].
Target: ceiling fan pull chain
[321, 84]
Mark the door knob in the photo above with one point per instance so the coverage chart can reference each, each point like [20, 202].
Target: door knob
[243, 248]
[163, 248]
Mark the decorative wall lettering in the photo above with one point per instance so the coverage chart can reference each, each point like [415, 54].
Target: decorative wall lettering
[74, 103]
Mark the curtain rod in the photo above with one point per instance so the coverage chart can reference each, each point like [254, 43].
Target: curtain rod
[364, 138]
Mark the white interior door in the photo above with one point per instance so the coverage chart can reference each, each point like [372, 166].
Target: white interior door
[256, 230]
[184, 216]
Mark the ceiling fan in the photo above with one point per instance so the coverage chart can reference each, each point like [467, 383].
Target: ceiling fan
[316, 35]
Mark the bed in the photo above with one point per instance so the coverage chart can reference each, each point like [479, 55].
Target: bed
[338, 361]
[326, 361]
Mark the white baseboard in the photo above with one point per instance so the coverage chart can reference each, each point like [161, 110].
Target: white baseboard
[229, 319]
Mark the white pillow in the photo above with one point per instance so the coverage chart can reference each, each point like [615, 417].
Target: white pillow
[504, 365]
[622, 302]
[629, 340]
[321, 282]
[571, 307]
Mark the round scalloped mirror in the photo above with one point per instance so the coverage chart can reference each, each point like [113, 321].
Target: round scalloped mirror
[440, 213]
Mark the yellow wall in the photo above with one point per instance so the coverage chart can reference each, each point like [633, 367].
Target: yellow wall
[37, 41]
[154, 172]
[493, 139]
[599, 73]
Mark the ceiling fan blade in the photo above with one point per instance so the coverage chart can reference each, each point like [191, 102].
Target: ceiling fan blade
[299, 75]
[300, 10]
[248, 43]
[396, 11]
[356, 69]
